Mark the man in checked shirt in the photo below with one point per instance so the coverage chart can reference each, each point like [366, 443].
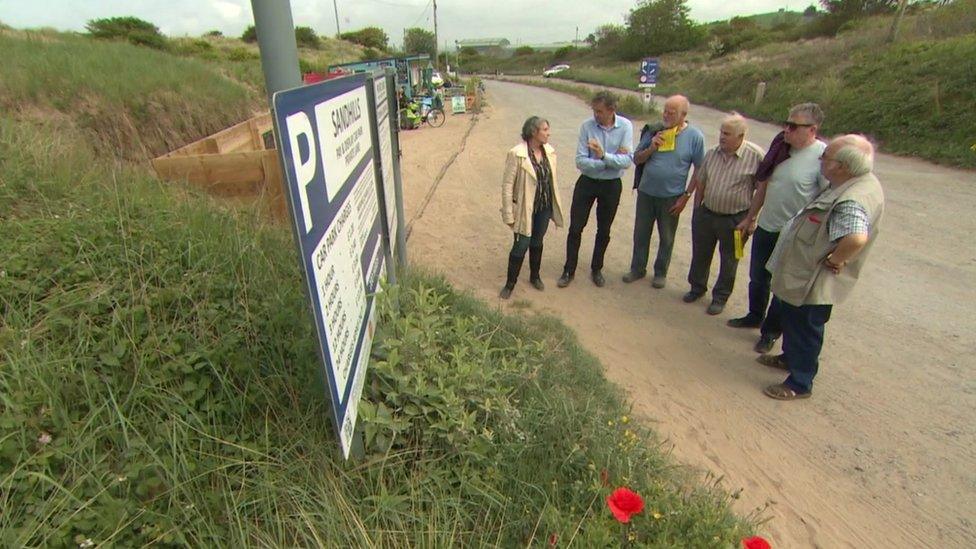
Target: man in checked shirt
[725, 185]
[819, 257]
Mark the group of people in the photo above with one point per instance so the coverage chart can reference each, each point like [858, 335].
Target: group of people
[812, 209]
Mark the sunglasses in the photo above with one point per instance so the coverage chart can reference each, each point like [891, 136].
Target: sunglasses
[792, 126]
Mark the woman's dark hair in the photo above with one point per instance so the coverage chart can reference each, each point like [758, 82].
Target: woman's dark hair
[531, 126]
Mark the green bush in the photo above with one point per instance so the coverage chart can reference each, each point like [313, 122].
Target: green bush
[306, 37]
[524, 50]
[562, 54]
[213, 34]
[243, 54]
[369, 54]
[369, 37]
[132, 29]
[250, 34]
[194, 47]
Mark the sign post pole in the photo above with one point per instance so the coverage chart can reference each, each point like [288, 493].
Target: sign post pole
[400, 239]
[276, 42]
[379, 118]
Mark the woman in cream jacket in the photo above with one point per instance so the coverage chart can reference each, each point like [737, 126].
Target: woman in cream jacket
[530, 198]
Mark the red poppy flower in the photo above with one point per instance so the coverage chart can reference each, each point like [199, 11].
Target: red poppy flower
[623, 503]
[756, 542]
[553, 539]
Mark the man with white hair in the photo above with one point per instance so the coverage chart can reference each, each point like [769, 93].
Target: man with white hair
[819, 257]
[666, 158]
[725, 185]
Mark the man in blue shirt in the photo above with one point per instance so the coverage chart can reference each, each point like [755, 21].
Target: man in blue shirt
[602, 154]
[667, 164]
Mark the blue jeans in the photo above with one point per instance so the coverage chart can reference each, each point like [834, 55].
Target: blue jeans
[540, 224]
[763, 243]
[803, 335]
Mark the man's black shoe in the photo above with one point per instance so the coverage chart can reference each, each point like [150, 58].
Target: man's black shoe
[632, 276]
[764, 345]
[747, 321]
[691, 297]
[565, 279]
[598, 279]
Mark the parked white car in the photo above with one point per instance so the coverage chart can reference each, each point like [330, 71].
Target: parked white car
[555, 69]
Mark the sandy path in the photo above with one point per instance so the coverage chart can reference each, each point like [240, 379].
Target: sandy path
[883, 455]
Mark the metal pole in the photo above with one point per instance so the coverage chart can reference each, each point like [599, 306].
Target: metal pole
[336, 7]
[276, 41]
[435, 34]
[401, 230]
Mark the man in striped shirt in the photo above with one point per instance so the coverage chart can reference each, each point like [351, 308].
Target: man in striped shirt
[725, 186]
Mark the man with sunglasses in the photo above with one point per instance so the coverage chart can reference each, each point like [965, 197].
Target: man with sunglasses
[793, 183]
[819, 258]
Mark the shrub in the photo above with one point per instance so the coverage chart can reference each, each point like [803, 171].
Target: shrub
[241, 54]
[524, 50]
[250, 34]
[660, 26]
[306, 37]
[213, 34]
[370, 37]
[133, 29]
[369, 54]
[563, 54]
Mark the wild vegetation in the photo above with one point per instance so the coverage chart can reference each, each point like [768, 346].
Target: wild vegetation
[913, 94]
[160, 383]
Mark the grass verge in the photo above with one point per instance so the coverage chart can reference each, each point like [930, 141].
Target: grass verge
[131, 102]
[159, 386]
[920, 92]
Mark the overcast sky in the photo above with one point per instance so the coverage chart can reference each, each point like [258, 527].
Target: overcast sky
[519, 21]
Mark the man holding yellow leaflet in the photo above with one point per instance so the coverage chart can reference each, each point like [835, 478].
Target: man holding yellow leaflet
[667, 157]
[725, 185]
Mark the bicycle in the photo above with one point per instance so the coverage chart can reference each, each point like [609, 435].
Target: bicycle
[432, 116]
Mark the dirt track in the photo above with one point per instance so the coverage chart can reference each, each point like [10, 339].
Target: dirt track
[883, 455]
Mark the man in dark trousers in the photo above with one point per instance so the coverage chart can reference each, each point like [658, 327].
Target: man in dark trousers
[602, 154]
[820, 256]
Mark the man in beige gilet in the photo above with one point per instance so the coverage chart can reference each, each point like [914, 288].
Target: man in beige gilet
[819, 257]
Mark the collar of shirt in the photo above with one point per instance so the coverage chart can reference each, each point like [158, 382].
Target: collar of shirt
[734, 154]
[616, 124]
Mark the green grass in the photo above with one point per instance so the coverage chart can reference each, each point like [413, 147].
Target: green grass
[159, 386]
[132, 102]
[914, 97]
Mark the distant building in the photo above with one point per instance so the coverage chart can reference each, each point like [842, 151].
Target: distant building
[553, 46]
[485, 46]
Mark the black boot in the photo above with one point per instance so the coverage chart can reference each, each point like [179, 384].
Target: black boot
[535, 264]
[514, 267]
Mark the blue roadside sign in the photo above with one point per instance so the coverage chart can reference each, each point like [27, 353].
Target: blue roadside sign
[325, 142]
[648, 72]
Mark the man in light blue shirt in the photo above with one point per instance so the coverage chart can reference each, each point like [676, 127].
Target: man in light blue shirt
[663, 182]
[602, 154]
